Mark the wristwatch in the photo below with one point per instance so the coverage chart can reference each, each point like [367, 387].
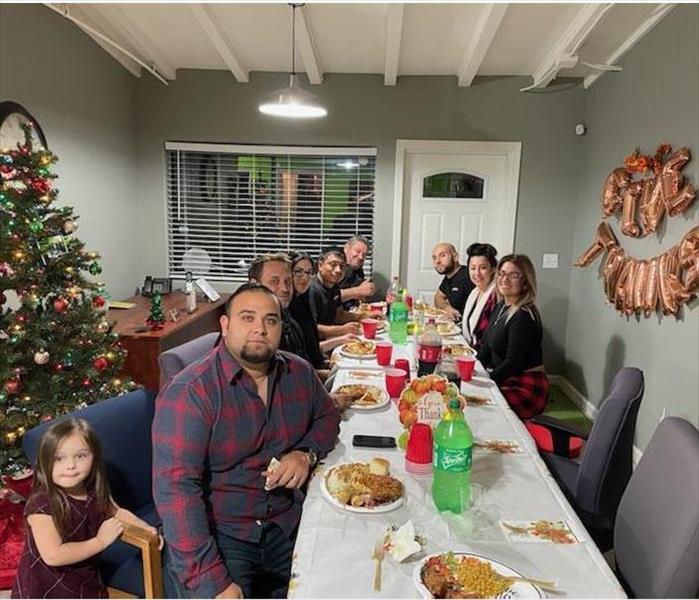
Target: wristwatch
[311, 455]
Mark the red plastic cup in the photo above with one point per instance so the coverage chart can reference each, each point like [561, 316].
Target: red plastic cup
[404, 364]
[418, 455]
[376, 307]
[384, 350]
[464, 365]
[395, 381]
[369, 327]
[409, 301]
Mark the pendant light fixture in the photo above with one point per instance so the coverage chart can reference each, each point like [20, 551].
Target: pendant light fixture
[293, 101]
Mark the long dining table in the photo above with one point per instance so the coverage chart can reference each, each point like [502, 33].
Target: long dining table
[333, 557]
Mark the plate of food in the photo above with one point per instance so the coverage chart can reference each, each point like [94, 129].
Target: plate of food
[426, 399]
[448, 329]
[363, 487]
[358, 349]
[364, 397]
[457, 350]
[465, 575]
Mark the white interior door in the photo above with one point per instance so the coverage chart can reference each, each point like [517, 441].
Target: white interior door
[458, 192]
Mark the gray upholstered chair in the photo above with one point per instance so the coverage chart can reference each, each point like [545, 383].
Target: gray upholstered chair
[656, 535]
[595, 484]
[175, 359]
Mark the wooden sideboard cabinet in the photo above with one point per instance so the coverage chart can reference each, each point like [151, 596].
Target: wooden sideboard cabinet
[143, 346]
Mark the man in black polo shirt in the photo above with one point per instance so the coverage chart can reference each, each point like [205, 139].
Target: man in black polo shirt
[456, 285]
[325, 297]
[355, 287]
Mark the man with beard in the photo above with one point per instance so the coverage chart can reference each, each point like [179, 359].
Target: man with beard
[325, 297]
[230, 522]
[456, 285]
[274, 272]
[355, 287]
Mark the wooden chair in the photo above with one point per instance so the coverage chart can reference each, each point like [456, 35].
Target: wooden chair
[131, 567]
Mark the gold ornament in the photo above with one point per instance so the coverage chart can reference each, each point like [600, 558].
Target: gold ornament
[111, 356]
[41, 357]
[103, 326]
[69, 226]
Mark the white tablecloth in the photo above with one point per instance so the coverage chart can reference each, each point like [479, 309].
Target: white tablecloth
[332, 558]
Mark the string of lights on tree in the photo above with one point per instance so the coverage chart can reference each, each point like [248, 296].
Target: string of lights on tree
[57, 351]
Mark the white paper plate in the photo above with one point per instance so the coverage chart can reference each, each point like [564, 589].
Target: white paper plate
[357, 356]
[383, 508]
[451, 333]
[519, 589]
[383, 400]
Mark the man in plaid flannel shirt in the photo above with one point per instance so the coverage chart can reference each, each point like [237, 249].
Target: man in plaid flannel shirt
[230, 525]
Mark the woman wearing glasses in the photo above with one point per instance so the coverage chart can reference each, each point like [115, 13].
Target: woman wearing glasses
[302, 271]
[511, 347]
[482, 299]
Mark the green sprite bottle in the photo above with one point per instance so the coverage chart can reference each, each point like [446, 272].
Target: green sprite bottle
[451, 472]
[398, 320]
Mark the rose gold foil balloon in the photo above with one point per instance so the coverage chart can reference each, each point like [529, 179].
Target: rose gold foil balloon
[691, 277]
[605, 235]
[680, 201]
[613, 266]
[689, 248]
[612, 192]
[639, 286]
[668, 293]
[628, 218]
[605, 238]
[629, 288]
[651, 208]
[620, 287]
[650, 295]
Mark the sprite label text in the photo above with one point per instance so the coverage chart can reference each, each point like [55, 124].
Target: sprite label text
[456, 461]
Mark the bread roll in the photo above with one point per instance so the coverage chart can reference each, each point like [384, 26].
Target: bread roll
[379, 466]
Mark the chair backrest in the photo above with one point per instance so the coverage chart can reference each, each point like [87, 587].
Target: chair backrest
[123, 426]
[656, 534]
[607, 462]
[175, 359]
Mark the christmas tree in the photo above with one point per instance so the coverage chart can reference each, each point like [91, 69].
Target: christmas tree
[57, 351]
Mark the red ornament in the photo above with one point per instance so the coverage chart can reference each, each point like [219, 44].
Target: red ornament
[57, 367]
[13, 386]
[40, 186]
[87, 382]
[100, 363]
[46, 418]
[60, 305]
[98, 301]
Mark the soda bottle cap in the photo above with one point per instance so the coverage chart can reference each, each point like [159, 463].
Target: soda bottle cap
[454, 403]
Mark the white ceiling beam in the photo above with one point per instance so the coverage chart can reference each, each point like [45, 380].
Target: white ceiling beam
[657, 15]
[129, 29]
[394, 37]
[307, 48]
[486, 27]
[217, 39]
[563, 54]
[65, 11]
[88, 18]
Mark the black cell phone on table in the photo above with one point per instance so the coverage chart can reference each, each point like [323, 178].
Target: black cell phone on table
[374, 441]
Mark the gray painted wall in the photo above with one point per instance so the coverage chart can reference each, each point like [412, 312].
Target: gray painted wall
[84, 101]
[110, 139]
[653, 100]
[211, 106]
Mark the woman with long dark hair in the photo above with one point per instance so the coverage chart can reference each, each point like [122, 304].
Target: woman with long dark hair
[511, 349]
[481, 264]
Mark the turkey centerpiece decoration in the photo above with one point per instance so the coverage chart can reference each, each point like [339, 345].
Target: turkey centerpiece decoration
[426, 400]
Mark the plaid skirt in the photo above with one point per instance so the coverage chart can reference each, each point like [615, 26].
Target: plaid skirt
[527, 393]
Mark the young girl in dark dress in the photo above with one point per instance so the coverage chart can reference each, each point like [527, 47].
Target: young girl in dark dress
[70, 517]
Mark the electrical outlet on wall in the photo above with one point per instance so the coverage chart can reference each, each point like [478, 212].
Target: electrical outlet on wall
[550, 261]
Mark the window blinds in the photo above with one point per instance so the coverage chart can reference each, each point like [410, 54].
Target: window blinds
[227, 204]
